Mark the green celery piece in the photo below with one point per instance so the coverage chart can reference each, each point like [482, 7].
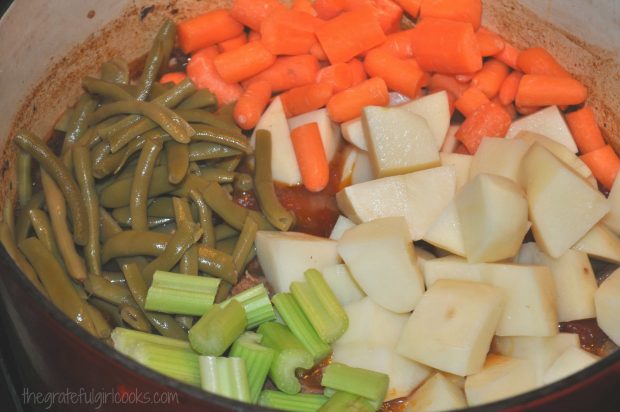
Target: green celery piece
[218, 329]
[301, 402]
[362, 382]
[180, 364]
[290, 356]
[258, 360]
[256, 303]
[343, 401]
[181, 294]
[226, 377]
[126, 340]
[300, 326]
[320, 305]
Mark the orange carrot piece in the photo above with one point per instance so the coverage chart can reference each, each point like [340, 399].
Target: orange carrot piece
[243, 62]
[489, 43]
[489, 120]
[440, 82]
[543, 90]
[461, 149]
[527, 110]
[252, 12]
[252, 104]
[508, 90]
[400, 44]
[470, 101]
[201, 70]
[446, 46]
[254, 36]
[338, 76]
[403, 76]
[537, 60]
[173, 77]
[317, 51]
[211, 52]
[490, 78]
[348, 104]
[585, 130]
[350, 34]
[328, 9]
[304, 6]
[508, 55]
[289, 32]
[604, 164]
[305, 99]
[289, 72]
[311, 156]
[233, 44]
[358, 73]
[388, 13]
[411, 7]
[510, 108]
[207, 29]
[468, 11]
[463, 78]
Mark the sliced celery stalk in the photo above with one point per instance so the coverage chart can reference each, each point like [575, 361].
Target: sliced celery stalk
[258, 359]
[301, 402]
[362, 382]
[256, 303]
[181, 294]
[225, 376]
[343, 401]
[218, 329]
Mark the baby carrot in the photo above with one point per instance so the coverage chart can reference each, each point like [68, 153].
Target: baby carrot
[203, 73]
[470, 101]
[305, 99]
[305, 6]
[527, 110]
[252, 12]
[358, 73]
[508, 55]
[254, 36]
[172, 77]
[337, 75]
[446, 46]
[489, 42]
[317, 51]
[289, 32]
[411, 7]
[400, 44]
[463, 78]
[508, 90]
[207, 29]
[328, 9]
[440, 82]
[403, 76]
[604, 164]
[243, 62]
[585, 130]
[289, 72]
[543, 90]
[468, 11]
[489, 120]
[537, 60]
[350, 34]
[348, 104]
[234, 43]
[490, 78]
[388, 13]
[311, 157]
[251, 104]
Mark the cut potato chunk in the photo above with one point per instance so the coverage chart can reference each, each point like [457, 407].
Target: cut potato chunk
[446, 232]
[501, 377]
[452, 326]
[571, 361]
[349, 157]
[438, 393]
[435, 109]
[607, 301]
[450, 267]
[461, 163]
[342, 284]
[285, 256]
[499, 157]
[398, 141]
[329, 131]
[381, 258]
[563, 206]
[353, 132]
[450, 143]
[362, 170]
[547, 122]
[493, 215]
[342, 225]
[600, 243]
[612, 220]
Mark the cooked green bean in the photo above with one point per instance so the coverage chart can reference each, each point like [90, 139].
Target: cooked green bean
[57, 284]
[90, 138]
[111, 312]
[62, 124]
[159, 207]
[244, 243]
[141, 181]
[134, 243]
[135, 318]
[181, 210]
[223, 291]
[118, 193]
[158, 55]
[224, 231]
[84, 177]
[8, 214]
[24, 177]
[205, 216]
[218, 175]
[7, 240]
[22, 222]
[204, 150]
[212, 134]
[115, 293]
[227, 245]
[108, 226]
[58, 216]
[243, 182]
[105, 89]
[135, 283]
[100, 324]
[128, 134]
[277, 215]
[45, 233]
[115, 71]
[59, 173]
[79, 121]
[199, 100]
[123, 218]
[207, 118]
[216, 263]
[178, 161]
[105, 162]
[230, 164]
[114, 277]
[189, 261]
[166, 325]
[226, 113]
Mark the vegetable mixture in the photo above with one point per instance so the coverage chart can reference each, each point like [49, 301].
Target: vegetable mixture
[208, 221]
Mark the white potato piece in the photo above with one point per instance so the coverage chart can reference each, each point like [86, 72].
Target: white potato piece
[362, 170]
[452, 326]
[461, 163]
[381, 258]
[451, 267]
[573, 278]
[612, 220]
[493, 215]
[363, 202]
[353, 132]
[600, 243]
[450, 143]
[540, 351]
[341, 282]
[607, 301]
[285, 256]
[547, 122]
[284, 168]
[498, 156]
[435, 109]
[423, 255]
[405, 374]
[446, 232]
[398, 141]
[437, 394]
[342, 225]
[349, 157]
[572, 360]
[330, 132]
[501, 377]
[563, 206]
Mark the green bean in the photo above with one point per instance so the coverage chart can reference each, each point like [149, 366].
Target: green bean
[157, 208]
[7, 240]
[108, 226]
[104, 162]
[189, 261]
[277, 215]
[203, 150]
[57, 284]
[8, 214]
[166, 325]
[158, 55]
[206, 217]
[218, 175]
[230, 164]
[223, 231]
[178, 161]
[22, 222]
[79, 121]
[44, 231]
[62, 124]
[181, 209]
[207, 118]
[216, 263]
[212, 134]
[115, 71]
[123, 217]
[105, 89]
[244, 243]
[84, 177]
[226, 113]
[111, 312]
[24, 177]
[59, 173]
[118, 194]
[113, 277]
[223, 291]
[137, 144]
[141, 181]
[227, 245]
[201, 99]
[134, 243]
[186, 235]
[243, 182]
[128, 134]
[100, 324]
[102, 288]
[58, 216]
[134, 317]
[135, 283]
